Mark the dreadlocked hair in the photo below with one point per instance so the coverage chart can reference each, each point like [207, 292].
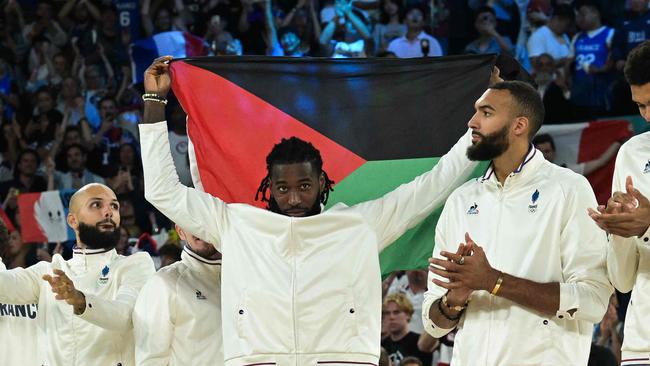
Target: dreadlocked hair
[291, 151]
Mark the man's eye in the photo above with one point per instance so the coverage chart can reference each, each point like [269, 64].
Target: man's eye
[115, 206]
[94, 204]
[282, 189]
[305, 186]
[487, 114]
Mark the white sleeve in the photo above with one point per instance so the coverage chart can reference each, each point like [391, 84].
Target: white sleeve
[434, 292]
[406, 206]
[22, 285]
[153, 321]
[585, 291]
[195, 211]
[622, 253]
[115, 314]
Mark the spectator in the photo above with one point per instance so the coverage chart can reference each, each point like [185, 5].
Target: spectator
[416, 42]
[77, 175]
[411, 361]
[123, 246]
[552, 39]
[25, 180]
[19, 254]
[286, 41]
[169, 254]
[401, 342]
[553, 89]
[591, 56]
[489, 40]
[414, 292]
[45, 26]
[545, 144]
[391, 24]
[346, 33]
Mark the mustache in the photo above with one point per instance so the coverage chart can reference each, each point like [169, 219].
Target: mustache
[107, 221]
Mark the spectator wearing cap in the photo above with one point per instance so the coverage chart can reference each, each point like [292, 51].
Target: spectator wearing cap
[416, 42]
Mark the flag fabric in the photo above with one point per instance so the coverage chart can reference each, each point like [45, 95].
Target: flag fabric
[43, 216]
[378, 123]
[581, 142]
[6, 220]
[174, 43]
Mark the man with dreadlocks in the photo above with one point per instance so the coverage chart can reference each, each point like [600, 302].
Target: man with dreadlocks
[300, 286]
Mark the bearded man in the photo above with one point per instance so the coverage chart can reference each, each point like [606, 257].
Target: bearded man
[85, 303]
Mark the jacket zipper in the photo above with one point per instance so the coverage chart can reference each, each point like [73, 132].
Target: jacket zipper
[293, 294]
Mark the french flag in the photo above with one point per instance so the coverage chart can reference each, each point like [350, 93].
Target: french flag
[581, 142]
[174, 43]
[43, 216]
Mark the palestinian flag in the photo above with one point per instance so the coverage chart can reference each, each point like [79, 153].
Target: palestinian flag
[377, 123]
[578, 143]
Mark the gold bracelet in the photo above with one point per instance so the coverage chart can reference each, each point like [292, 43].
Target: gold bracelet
[497, 286]
[455, 308]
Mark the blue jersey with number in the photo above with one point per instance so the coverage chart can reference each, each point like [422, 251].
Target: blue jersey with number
[591, 90]
[128, 16]
[591, 51]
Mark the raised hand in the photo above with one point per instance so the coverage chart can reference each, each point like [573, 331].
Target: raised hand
[627, 214]
[156, 78]
[64, 289]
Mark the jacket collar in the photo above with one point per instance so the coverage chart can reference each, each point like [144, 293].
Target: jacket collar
[89, 258]
[527, 167]
[198, 263]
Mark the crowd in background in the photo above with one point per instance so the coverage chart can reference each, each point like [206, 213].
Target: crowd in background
[69, 110]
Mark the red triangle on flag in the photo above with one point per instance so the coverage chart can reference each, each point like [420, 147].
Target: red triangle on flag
[232, 132]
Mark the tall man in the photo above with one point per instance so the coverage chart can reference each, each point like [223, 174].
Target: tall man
[85, 303]
[531, 295]
[300, 286]
[177, 318]
[627, 218]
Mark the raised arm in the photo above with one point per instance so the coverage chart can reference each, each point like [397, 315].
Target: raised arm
[21, 285]
[199, 212]
[404, 207]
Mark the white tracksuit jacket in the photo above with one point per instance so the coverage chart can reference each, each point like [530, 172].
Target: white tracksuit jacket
[18, 333]
[535, 227]
[177, 317]
[628, 259]
[299, 291]
[103, 334]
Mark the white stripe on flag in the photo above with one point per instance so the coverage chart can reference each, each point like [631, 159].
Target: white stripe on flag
[567, 141]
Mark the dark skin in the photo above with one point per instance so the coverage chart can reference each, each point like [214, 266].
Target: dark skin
[477, 274]
[295, 187]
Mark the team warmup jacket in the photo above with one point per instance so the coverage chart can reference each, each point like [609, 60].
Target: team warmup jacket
[18, 342]
[103, 334]
[177, 317]
[299, 291]
[628, 259]
[534, 227]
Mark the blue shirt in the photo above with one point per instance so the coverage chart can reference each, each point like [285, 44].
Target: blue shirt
[633, 32]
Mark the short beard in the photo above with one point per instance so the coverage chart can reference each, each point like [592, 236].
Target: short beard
[490, 146]
[93, 238]
[273, 207]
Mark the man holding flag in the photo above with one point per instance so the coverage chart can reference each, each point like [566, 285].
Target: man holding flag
[85, 312]
[300, 285]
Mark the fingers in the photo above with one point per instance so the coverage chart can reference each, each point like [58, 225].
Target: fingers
[447, 285]
[447, 265]
[468, 239]
[163, 59]
[451, 256]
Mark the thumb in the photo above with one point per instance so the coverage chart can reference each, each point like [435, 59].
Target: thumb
[629, 185]
[643, 201]
[468, 239]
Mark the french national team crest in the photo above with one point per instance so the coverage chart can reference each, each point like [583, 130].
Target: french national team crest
[533, 199]
[103, 279]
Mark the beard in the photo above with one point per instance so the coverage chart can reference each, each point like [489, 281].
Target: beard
[273, 207]
[489, 146]
[93, 238]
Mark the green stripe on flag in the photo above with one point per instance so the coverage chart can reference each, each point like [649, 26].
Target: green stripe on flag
[412, 249]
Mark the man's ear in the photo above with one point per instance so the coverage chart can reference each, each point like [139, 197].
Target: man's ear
[72, 221]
